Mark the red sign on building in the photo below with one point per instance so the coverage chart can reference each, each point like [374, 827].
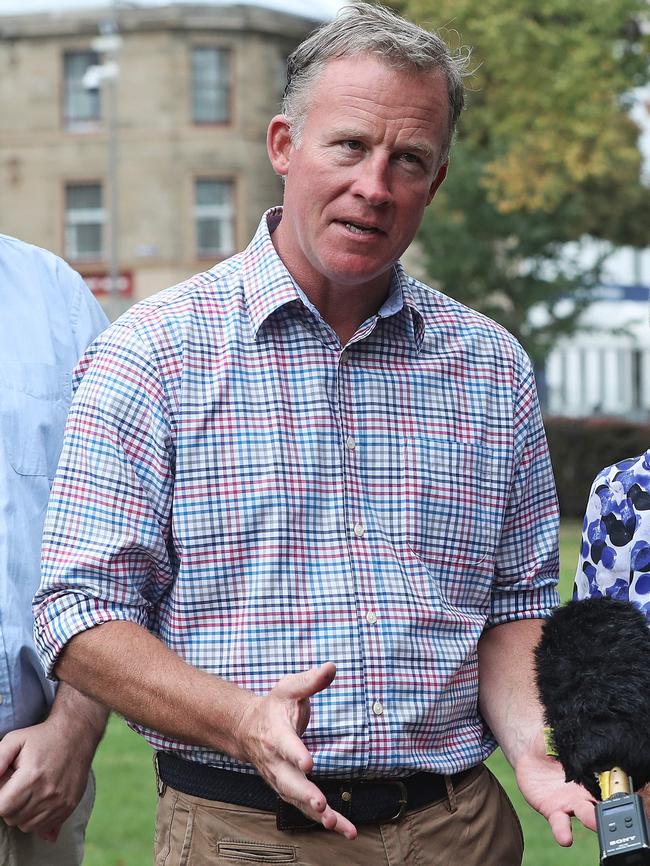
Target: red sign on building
[100, 284]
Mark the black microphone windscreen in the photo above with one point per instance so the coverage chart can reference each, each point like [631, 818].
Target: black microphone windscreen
[593, 676]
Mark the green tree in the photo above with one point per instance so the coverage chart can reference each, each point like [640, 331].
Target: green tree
[504, 263]
[546, 154]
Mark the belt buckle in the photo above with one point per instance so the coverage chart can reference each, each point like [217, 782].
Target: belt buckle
[402, 802]
[346, 796]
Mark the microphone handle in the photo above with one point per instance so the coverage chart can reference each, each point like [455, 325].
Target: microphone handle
[621, 823]
[614, 781]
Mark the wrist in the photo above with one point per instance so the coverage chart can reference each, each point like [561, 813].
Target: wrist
[242, 725]
[81, 719]
[523, 746]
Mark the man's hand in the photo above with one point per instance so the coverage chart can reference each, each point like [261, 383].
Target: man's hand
[541, 780]
[510, 705]
[41, 778]
[44, 769]
[145, 681]
[269, 737]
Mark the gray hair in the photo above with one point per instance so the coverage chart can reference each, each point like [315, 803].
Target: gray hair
[364, 28]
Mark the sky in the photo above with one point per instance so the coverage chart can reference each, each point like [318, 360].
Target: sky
[317, 9]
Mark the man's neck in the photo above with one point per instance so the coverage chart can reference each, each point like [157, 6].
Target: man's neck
[346, 309]
[343, 305]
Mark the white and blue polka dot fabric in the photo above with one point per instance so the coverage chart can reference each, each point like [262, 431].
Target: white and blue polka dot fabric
[615, 549]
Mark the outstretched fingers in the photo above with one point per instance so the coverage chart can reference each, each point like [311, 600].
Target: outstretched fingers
[585, 812]
[560, 824]
[294, 787]
[291, 750]
[560, 820]
[269, 736]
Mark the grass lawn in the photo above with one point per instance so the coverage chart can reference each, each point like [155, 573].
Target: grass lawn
[121, 828]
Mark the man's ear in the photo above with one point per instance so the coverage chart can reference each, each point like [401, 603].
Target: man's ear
[441, 174]
[278, 144]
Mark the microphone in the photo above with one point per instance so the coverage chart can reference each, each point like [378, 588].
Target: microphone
[593, 676]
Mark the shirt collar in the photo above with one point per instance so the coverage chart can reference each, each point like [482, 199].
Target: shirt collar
[268, 285]
[417, 324]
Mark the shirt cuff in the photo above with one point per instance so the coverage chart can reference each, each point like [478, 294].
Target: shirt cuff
[513, 605]
[71, 613]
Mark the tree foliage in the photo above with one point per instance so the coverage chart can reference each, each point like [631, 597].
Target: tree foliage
[549, 92]
[505, 263]
[546, 153]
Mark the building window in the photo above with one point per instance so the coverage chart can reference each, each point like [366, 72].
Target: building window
[210, 85]
[214, 215]
[84, 221]
[81, 105]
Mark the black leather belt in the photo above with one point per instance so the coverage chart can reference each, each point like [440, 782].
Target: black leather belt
[375, 801]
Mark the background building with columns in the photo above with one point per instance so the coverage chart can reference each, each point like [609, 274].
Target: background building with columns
[604, 369]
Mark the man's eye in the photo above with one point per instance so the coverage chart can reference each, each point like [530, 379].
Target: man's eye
[410, 158]
[352, 144]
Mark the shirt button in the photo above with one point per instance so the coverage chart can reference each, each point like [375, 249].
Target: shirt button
[371, 617]
[350, 443]
[359, 530]
[377, 708]
[344, 357]
[2, 699]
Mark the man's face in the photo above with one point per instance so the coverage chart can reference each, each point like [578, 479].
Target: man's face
[365, 168]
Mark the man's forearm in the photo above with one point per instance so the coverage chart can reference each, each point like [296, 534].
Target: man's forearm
[511, 707]
[79, 713]
[131, 671]
[508, 696]
[127, 668]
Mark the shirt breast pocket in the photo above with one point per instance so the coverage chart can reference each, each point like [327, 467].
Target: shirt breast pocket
[449, 524]
[34, 402]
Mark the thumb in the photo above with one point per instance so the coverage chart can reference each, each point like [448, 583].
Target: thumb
[306, 683]
[10, 747]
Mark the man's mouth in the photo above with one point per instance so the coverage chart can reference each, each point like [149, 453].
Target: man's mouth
[360, 229]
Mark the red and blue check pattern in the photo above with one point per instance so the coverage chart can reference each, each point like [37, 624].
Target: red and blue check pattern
[265, 501]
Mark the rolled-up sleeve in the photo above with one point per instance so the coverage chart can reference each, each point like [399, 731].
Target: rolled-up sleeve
[105, 553]
[527, 561]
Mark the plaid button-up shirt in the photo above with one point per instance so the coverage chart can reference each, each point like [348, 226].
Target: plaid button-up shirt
[265, 500]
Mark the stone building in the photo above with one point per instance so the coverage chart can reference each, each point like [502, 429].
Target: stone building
[161, 110]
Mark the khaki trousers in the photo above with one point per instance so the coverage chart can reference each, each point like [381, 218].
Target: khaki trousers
[26, 849]
[474, 826]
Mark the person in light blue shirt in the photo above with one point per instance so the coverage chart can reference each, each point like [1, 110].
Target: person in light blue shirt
[47, 319]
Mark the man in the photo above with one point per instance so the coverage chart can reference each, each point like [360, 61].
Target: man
[47, 319]
[305, 505]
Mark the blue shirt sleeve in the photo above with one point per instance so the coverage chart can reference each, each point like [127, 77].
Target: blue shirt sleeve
[48, 318]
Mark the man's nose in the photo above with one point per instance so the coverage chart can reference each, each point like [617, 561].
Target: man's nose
[373, 182]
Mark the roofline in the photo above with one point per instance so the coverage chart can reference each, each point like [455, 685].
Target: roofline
[171, 16]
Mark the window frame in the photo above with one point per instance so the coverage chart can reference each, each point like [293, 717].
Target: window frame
[76, 217]
[72, 121]
[225, 213]
[224, 85]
